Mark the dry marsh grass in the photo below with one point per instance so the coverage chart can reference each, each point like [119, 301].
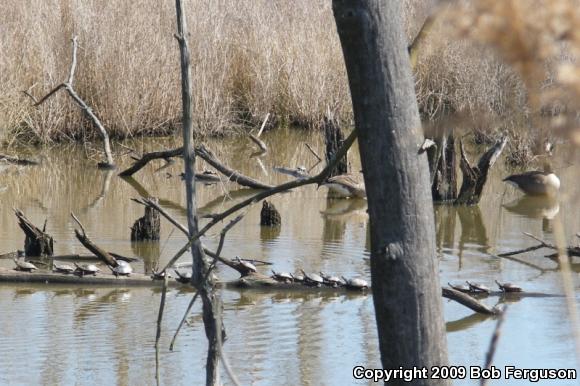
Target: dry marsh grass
[248, 58]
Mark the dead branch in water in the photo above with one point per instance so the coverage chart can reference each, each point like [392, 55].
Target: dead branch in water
[571, 250]
[259, 143]
[313, 152]
[68, 86]
[17, 160]
[148, 157]
[88, 244]
[468, 301]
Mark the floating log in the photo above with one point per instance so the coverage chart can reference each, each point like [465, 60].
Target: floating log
[37, 242]
[92, 247]
[269, 215]
[147, 227]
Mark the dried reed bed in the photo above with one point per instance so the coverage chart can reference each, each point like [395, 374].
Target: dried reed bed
[248, 58]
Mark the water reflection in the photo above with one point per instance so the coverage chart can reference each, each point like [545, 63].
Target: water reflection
[294, 338]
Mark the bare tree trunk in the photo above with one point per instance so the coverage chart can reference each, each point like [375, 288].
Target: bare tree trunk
[404, 267]
[199, 267]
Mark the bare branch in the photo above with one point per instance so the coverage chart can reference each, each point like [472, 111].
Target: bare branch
[73, 64]
[468, 301]
[493, 345]
[314, 153]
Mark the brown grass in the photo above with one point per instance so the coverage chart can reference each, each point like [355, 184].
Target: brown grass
[248, 58]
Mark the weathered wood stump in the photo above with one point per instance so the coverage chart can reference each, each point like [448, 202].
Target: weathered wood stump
[442, 165]
[475, 177]
[37, 242]
[269, 216]
[147, 227]
[334, 138]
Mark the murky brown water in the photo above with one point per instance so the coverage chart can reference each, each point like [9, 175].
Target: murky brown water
[61, 335]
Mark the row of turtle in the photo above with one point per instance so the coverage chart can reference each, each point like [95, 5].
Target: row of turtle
[122, 269]
[479, 288]
[319, 280]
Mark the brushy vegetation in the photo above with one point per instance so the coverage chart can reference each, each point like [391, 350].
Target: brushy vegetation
[248, 59]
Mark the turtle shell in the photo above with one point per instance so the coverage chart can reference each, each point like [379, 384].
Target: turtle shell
[460, 287]
[62, 268]
[24, 266]
[478, 287]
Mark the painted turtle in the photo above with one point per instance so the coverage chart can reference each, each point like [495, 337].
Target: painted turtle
[86, 269]
[312, 279]
[24, 266]
[283, 277]
[247, 265]
[478, 288]
[460, 287]
[183, 277]
[62, 268]
[356, 283]
[297, 278]
[332, 281]
[122, 269]
[509, 287]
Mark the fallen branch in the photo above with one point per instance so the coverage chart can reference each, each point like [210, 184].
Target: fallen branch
[469, 302]
[148, 157]
[17, 160]
[259, 143]
[313, 152]
[233, 175]
[88, 244]
[68, 86]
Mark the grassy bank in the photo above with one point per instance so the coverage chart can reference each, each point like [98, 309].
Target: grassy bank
[248, 58]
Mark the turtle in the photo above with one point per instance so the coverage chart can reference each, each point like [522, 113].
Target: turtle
[24, 266]
[332, 281]
[509, 287]
[312, 279]
[356, 283]
[86, 269]
[478, 288]
[159, 275]
[62, 268]
[284, 277]
[183, 277]
[249, 267]
[460, 287]
[122, 269]
[297, 278]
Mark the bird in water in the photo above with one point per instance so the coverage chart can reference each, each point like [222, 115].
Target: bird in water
[536, 183]
[345, 186]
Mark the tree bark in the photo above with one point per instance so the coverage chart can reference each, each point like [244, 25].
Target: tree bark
[199, 266]
[404, 267]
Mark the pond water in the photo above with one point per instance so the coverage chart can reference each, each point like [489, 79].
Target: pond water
[94, 335]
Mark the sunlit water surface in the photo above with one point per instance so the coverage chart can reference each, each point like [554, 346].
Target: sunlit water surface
[93, 335]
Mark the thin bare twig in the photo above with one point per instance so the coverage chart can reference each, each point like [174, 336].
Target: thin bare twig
[493, 344]
[313, 152]
[79, 223]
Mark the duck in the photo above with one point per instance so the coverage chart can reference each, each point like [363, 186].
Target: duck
[345, 186]
[536, 183]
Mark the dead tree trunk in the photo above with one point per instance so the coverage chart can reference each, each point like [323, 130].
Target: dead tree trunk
[333, 138]
[147, 227]
[269, 215]
[37, 242]
[200, 279]
[474, 177]
[443, 169]
[404, 267]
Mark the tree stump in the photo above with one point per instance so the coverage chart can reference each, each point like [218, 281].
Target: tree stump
[334, 138]
[443, 170]
[269, 216]
[37, 242]
[147, 227]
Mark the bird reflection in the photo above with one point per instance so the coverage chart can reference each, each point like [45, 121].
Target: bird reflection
[535, 207]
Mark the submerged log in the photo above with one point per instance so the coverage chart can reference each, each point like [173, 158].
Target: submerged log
[147, 227]
[17, 160]
[334, 139]
[37, 242]
[269, 216]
